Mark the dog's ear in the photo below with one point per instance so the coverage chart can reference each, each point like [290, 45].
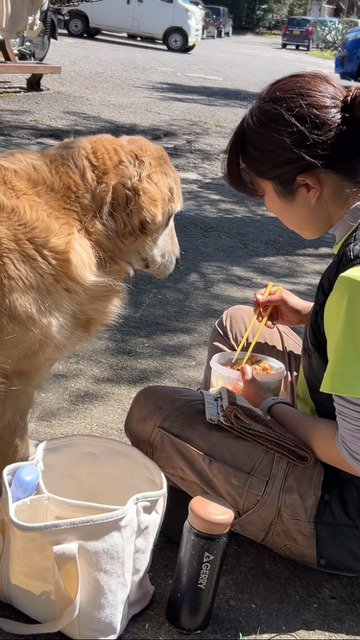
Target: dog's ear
[146, 190]
[135, 204]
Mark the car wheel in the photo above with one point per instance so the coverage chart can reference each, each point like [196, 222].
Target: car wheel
[230, 32]
[283, 46]
[176, 41]
[221, 32]
[297, 47]
[77, 25]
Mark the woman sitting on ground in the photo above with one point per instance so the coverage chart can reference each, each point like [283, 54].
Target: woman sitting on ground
[298, 148]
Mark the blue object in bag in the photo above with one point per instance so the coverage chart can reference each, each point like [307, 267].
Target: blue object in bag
[25, 481]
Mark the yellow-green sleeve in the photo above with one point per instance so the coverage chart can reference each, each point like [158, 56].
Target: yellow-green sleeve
[342, 330]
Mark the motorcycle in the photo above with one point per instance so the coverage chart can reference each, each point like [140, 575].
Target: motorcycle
[34, 44]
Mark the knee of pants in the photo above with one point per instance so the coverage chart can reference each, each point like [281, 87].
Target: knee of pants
[146, 412]
[138, 421]
[233, 323]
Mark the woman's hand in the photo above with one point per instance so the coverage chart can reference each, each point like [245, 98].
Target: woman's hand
[253, 391]
[288, 309]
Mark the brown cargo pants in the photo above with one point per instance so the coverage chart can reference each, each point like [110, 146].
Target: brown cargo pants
[275, 500]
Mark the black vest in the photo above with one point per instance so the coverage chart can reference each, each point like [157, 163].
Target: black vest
[338, 514]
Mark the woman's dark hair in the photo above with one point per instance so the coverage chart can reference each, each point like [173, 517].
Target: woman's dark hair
[301, 122]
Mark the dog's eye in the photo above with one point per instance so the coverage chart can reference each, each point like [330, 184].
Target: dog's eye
[143, 227]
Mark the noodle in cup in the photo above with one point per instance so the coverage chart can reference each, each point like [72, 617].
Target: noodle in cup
[224, 376]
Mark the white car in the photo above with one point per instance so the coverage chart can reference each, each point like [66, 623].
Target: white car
[177, 23]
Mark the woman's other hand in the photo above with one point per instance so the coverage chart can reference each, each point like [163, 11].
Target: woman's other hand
[253, 391]
[288, 309]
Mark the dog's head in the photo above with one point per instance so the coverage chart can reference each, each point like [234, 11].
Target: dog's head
[132, 193]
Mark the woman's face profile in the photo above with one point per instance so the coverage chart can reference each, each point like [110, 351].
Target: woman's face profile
[303, 212]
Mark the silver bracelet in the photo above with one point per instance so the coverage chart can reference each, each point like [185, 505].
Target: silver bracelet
[266, 405]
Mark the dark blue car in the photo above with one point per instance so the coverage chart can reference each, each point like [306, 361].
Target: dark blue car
[347, 61]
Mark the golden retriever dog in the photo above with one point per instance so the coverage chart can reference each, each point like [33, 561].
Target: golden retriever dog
[76, 220]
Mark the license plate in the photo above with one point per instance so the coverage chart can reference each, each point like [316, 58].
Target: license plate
[296, 33]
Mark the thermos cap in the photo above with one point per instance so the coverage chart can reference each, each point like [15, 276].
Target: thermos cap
[210, 514]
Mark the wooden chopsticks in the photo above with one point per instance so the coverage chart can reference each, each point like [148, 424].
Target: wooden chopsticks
[262, 325]
[253, 320]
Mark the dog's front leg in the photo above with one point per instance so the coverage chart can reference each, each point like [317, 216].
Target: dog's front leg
[15, 405]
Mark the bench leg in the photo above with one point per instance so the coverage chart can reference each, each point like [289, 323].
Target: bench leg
[33, 83]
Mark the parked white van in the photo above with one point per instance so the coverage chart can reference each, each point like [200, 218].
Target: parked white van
[177, 23]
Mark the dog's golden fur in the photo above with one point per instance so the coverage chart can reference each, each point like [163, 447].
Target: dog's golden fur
[75, 222]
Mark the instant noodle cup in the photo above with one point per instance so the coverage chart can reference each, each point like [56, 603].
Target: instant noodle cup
[223, 376]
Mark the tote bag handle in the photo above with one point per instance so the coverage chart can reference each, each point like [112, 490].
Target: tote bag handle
[66, 558]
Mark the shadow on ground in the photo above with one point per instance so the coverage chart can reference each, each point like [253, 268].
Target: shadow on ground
[25, 131]
[205, 94]
[261, 595]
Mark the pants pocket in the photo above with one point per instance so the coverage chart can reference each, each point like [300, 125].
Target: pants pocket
[250, 494]
[296, 540]
[294, 534]
[257, 522]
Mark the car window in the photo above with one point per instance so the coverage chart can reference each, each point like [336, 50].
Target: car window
[216, 11]
[298, 23]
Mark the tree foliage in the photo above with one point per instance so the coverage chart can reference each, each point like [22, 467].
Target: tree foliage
[270, 14]
[253, 14]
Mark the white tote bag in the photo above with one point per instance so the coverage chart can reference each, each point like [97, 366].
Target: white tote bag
[75, 556]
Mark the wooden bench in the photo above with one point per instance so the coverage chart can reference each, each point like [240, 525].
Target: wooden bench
[11, 64]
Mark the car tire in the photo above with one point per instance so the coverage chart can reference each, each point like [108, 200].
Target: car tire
[221, 32]
[176, 41]
[283, 46]
[229, 33]
[77, 25]
[297, 47]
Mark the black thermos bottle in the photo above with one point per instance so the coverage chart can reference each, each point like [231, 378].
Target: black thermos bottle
[199, 563]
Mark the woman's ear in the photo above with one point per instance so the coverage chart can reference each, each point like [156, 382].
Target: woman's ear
[311, 184]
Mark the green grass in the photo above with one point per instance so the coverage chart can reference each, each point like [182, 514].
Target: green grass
[327, 55]
[270, 35]
[218, 125]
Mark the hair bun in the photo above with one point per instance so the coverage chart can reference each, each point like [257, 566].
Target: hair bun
[350, 108]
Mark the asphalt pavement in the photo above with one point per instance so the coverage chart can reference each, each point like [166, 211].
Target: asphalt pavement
[230, 246]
